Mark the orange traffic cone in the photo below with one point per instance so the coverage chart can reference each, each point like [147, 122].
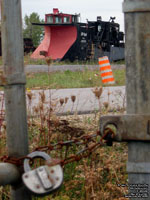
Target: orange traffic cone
[106, 72]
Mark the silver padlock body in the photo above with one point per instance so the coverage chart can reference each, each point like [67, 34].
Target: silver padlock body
[43, 180]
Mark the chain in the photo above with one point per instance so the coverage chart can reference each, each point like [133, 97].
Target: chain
[106, 139]
[15, 161]
[85, 139]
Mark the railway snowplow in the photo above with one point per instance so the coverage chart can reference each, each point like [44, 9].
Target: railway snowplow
[68, 39]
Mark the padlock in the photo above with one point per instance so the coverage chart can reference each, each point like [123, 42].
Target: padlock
[44, 179]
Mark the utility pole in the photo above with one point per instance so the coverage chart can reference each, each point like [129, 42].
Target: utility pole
[14, 89]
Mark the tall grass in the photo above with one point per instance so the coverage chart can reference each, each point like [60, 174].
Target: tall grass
[93, 178]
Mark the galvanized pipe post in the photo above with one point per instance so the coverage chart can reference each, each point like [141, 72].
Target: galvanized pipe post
[137, 29]
[9, 174]
[12, 54]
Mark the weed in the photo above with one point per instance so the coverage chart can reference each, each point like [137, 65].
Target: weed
[93, 178]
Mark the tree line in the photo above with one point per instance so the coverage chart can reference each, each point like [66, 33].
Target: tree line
[34, 32]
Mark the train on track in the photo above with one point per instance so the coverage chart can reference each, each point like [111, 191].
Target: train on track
[68, 39]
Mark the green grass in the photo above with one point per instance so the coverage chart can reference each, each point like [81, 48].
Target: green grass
[30, 61]
[0, 60]
[69, 79]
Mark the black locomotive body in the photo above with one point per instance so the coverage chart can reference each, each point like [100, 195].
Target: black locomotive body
[96, 39]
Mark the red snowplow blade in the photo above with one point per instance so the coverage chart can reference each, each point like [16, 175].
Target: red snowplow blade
[57, 41]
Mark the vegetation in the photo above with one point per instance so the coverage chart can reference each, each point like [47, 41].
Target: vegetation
[30, 61]
[30, 31]
[69, 79]
[96, 177]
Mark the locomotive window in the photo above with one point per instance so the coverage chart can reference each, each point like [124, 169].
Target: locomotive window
[99, 28]
[58, 20]
[72, 18]
[66, 20]
[49, 19]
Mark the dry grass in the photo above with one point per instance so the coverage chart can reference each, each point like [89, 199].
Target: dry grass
[93, 178]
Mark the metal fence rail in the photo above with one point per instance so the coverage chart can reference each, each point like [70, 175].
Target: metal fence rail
[14, 89]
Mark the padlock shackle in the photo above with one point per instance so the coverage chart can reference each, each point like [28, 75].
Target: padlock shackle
[35, 154]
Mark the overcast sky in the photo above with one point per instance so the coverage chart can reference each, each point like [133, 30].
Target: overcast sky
[89, 9]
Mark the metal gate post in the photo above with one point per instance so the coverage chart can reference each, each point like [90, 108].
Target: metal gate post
[12, 54]
[137, 29]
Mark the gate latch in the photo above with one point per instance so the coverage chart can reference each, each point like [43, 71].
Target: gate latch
[129, 127]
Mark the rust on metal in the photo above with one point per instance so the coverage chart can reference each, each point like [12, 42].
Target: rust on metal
[131, 127]
[89, 144]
